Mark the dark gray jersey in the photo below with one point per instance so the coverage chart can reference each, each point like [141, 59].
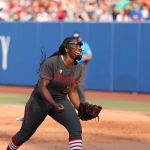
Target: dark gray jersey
[61, 76]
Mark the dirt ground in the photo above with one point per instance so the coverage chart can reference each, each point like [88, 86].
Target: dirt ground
[116, 130]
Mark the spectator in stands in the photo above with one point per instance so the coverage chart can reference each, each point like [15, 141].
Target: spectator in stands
[145, 11]
[121, 4]
[90, 8]
[3, 12]
[72, 10]
[106, 15]
[81, 15]
[42, 15]
[124, 15]
[26, 15]
[136, 13]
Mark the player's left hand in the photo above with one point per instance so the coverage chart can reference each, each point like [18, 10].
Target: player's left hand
[88, 111]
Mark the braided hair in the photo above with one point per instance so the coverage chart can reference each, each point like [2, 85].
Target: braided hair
[65, 44]
[61, 51]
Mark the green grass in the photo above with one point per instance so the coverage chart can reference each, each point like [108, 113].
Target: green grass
[122, 105]
[13, 99]
[108, 104]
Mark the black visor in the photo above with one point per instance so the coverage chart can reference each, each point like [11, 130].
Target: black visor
[76, 43]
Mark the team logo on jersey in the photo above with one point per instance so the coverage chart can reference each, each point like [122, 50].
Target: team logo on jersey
[60, 71]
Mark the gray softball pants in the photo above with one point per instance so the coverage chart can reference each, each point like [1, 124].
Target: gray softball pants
[36, 111]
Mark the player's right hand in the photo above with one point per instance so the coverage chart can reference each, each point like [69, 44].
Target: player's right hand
[58, 107]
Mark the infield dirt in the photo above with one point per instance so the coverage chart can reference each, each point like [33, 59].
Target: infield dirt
[116, 130]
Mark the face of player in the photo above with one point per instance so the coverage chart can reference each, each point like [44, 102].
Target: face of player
[75, 50]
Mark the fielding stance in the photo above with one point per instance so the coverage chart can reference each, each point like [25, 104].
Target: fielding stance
[58, 80]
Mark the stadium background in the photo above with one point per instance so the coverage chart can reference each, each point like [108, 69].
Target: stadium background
[121, 64]
[120, 51]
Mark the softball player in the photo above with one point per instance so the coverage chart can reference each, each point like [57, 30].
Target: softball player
[59, 76]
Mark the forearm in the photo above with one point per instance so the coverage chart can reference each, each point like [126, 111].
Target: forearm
[74, 98]
[47, 96]
[87, 58]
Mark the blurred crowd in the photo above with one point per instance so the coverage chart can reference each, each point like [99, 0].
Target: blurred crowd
[75, 10]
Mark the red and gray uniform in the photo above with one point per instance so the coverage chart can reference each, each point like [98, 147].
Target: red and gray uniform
[37, 108]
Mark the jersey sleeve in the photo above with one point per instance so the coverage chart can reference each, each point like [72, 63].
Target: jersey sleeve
[46, 70]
